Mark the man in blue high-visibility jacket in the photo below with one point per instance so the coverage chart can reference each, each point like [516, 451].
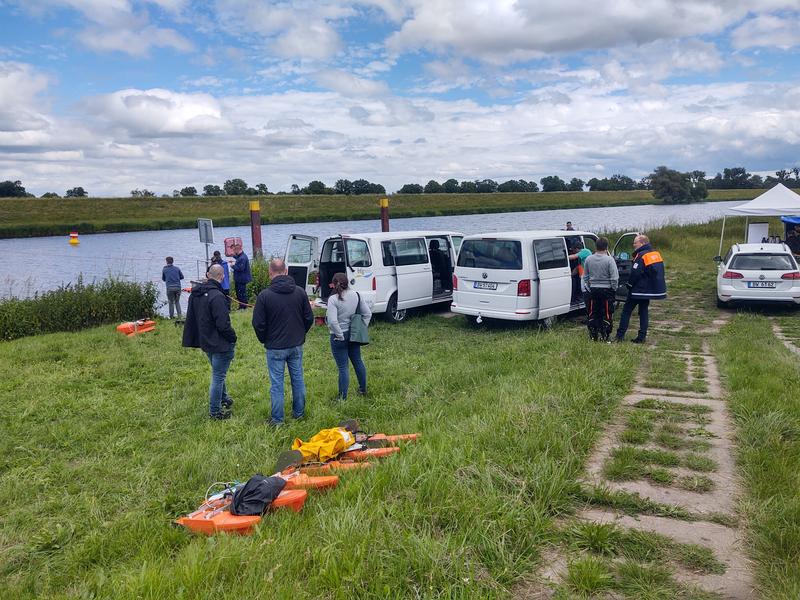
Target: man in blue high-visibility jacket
[646, 283]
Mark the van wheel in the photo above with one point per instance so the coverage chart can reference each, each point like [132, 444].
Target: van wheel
[548, 322]
[393, 314]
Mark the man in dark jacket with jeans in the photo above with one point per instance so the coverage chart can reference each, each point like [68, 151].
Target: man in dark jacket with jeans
[208, 326]
[241, 275]
[281, 319]
[645, 283]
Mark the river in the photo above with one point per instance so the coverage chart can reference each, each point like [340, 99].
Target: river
[38, 264]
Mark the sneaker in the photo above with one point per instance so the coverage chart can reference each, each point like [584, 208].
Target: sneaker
[274, 424]
[220, 416]
[638, 340]
[362, 393]
[299, 418]
[227, 402]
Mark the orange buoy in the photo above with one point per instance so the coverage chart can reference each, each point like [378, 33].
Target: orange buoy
[132, 328]
[73, 238]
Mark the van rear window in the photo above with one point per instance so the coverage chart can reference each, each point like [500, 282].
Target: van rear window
[491, 254]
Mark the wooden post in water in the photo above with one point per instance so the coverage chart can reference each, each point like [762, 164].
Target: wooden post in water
[255, 228]
[384, 204]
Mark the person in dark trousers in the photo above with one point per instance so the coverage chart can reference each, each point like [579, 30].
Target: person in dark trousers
[208, 326]
[216, 259]
[281, 319]
[600, 278]
[343, 304]
[171, 276]
[241, 276]
[646, 283]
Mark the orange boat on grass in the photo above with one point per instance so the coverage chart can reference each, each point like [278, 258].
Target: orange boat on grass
[132, 328]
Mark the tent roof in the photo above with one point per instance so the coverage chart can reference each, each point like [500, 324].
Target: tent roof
[778, 201]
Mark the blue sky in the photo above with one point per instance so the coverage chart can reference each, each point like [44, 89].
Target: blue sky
[118, 94]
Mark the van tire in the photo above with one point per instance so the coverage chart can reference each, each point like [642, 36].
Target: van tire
[548, 322]
[393, 315]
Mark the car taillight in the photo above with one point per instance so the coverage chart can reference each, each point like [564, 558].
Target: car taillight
[374, 283]
[524, 287]
[732, 275]
[792, 275]
[455, 282]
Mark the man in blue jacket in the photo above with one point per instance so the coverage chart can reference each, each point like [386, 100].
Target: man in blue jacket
[208, 326]
[171, 276]
[241, 275]
[646, 283]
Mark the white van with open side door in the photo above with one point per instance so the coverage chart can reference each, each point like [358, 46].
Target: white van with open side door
[392, 271]
[520, 275]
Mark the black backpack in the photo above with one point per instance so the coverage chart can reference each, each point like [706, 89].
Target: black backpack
[255, 496]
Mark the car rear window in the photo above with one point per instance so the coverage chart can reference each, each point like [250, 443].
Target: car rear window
[762, 262]
[491, 254]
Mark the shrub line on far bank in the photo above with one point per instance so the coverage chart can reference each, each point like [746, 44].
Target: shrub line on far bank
[322, 212]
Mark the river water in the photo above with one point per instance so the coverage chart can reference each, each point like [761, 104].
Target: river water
[38, 264]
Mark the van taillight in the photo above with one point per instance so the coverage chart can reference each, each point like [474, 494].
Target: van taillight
[455, 282]
[732, 275]
[524, 287]
[792, 275]
[374, 283]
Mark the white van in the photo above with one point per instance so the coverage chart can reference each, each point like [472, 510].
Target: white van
[519, 276]
[392, 271]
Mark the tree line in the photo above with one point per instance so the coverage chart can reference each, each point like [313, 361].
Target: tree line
[693, 181]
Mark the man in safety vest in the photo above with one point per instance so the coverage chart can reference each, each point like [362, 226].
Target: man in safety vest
[646, 283]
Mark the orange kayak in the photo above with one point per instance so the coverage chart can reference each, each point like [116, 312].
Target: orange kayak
[393, 439]
[369, 453]
[132, 328]
[334, 465]
[300, 481]
[215, 517]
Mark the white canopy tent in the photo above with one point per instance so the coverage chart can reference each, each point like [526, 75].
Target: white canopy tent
[777, 202]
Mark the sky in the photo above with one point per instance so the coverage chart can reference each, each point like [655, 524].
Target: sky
[116, 95]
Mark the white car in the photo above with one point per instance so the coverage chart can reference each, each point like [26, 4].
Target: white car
[758, 273]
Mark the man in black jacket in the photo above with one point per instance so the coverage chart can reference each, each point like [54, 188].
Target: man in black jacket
[646, 282]
[208, 326]
[281, 319]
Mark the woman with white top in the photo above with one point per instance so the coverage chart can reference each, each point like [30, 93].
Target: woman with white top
[342, 305]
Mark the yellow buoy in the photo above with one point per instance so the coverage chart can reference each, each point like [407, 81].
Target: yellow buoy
[73, 238]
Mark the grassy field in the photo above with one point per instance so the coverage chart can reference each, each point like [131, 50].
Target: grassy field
[29, 217]
[105, 441]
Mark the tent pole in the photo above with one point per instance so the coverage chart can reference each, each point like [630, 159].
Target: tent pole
[721, 235]
[746, 233]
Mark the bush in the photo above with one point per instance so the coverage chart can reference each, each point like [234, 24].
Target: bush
[76, 306]
[260, 271]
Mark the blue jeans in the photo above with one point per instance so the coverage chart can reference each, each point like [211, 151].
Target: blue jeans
[625, 317]
[342, 350]
[277, 361]
[220, 361]
[241, 294]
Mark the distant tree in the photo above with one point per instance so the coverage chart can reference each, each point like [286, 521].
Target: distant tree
[644, 183]
[553, 183]
[142, 193]
[411, 188]
[262, 189]
[433, 187]
[76, 192]
[361, 186]
[165, 195]
[467, 187]
[12, 189]
[621, 183]
[315, 187]
[343, 186]
[575, 185]
[512, 185]
[250, 191]
[295, 189]
[376, 188]
[176, 193]
[674, 187]
[450, 186]
[782, 175]
[755, 181]
[50, 195]
[735, 178]
[486, 186]
[235, 187]
[189, 191]
[212, 190]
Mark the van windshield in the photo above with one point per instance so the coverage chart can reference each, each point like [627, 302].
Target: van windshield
[491, 254]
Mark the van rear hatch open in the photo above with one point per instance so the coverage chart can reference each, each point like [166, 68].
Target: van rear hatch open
[489, 274]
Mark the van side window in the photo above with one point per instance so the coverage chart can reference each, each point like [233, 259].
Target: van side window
[550, 254]
[456, 242]
[357, 253]
[410, 252]
[491, 253]
[386, 251]
[299, 250]
[590, 243]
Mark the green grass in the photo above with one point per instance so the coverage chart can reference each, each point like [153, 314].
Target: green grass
[27, 217]
[105, 441]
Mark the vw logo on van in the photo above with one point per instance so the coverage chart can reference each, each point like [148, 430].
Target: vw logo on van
[485, 275]
[761, 277]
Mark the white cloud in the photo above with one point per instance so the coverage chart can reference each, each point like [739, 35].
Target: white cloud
[767, 31]
[349, 85]
[136, 43]
[508, 31]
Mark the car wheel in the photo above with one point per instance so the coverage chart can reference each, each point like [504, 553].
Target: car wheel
[393, 314]
[722, 303]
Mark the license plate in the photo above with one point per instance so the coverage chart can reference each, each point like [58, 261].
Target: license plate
[761, 284]
[484, 285]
